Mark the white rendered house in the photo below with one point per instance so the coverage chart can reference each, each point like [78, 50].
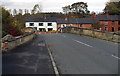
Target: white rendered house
[42, 24]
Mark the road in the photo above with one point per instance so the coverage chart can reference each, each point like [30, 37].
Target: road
[75, 54]
[30, 58]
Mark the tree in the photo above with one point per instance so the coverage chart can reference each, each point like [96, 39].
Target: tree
[79, 8]
[36, 9]
[66, 9]
[6, 20]
[113, 8]
[26, 11]
[8, 25]
[5, 16]
[14, 12]
[20, 11]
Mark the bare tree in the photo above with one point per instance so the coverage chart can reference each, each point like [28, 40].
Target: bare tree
[10, 11]
[26, 11]
[14, 12]
[20, 11]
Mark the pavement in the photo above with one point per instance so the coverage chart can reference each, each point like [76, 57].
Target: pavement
[30, 58]
[75, 54]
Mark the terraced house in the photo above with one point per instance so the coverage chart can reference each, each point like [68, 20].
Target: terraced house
[42, 24]
[50, 24]
[109, 23]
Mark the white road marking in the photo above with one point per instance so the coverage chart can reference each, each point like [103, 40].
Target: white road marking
[115, 57]
[53, 63]
[82, 43]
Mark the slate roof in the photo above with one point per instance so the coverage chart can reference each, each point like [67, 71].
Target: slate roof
[76, 21]
[50, 19]
[109, 18]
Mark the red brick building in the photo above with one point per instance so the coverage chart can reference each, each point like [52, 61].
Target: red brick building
[109, 23]
[76, 22]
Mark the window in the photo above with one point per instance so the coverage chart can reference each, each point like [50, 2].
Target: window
[112, 29]
[118, 28]
[105, 23]
[40, 24]
[119, 23]
[113, 22]
[106, 28]
[42, 29]
[63, 25]
[70, 24]
[49, 24]
[31, 24]
[35, 28]
[50, 29]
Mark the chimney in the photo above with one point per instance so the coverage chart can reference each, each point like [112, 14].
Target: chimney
[66, 18]
[94, 15]
[107, 14]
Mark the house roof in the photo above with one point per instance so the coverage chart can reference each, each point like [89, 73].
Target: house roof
[50, 19]
[109, 18]
[63, 21]
[76, 21]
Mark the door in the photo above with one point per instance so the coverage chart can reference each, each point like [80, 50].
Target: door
[112, 29]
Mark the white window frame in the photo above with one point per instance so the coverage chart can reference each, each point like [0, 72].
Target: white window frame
[105, 23]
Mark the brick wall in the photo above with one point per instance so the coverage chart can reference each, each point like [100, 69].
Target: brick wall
[110, 25]
[77, 25]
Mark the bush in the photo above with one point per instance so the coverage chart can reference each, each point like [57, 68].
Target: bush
[13, 31]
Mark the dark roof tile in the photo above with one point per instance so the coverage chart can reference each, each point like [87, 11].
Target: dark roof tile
[76, 21]
[109, 18]
[50, 19]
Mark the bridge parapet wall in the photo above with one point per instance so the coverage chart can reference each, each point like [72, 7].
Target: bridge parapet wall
[9, 44]
[93, 33]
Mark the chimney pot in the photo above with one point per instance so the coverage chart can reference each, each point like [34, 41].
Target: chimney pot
[94, 15]
[107, 14]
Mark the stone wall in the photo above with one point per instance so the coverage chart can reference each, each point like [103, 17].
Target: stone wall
[93, 33]
[10, 44]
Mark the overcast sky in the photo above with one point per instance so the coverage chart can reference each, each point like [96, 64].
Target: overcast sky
[53, 5]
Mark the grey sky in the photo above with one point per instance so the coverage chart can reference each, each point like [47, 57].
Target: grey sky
[53, 5]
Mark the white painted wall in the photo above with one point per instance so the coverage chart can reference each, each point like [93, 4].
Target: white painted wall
[45, 25]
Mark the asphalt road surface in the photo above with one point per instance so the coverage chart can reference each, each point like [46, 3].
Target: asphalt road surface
[75, 54]
[31, 58]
